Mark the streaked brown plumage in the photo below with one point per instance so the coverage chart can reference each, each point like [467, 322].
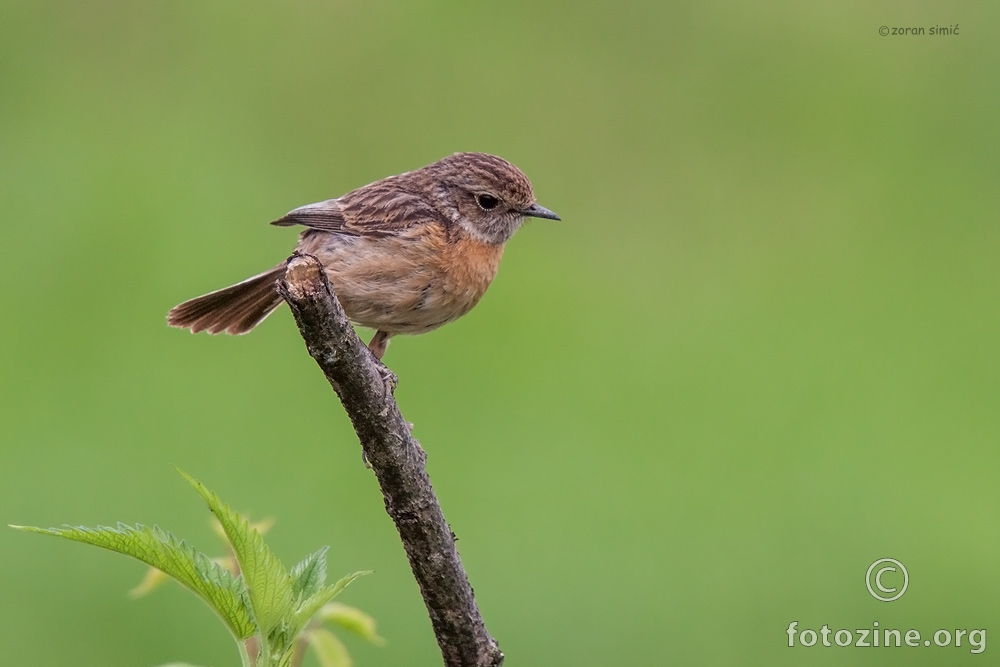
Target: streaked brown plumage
[405, 254]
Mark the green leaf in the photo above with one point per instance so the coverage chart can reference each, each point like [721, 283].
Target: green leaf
[223, 592]
[269, 584]
[309, 575]
[311, 606]
[330, 651]
[351, 619]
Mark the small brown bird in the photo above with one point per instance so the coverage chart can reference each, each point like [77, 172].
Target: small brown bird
[405, 254]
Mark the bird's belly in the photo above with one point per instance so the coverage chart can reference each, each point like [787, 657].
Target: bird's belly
[406, 284]
[407, 304]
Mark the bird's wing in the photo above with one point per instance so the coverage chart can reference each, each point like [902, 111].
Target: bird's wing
[379, 209]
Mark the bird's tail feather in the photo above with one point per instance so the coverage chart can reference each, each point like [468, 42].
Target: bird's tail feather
[235, 310]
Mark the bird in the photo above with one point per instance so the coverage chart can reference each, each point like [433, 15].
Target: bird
[404, 255]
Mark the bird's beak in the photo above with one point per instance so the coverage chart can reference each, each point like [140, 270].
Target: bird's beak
[537, 211]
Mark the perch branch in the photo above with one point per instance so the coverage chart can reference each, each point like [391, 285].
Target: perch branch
[365, 388]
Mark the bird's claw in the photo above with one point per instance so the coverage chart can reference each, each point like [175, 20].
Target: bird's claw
[389, 379]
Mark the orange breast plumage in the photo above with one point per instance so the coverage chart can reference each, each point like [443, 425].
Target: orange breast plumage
[411, 282]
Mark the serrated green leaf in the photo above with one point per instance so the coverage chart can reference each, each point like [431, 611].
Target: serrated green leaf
[330, 650]
[309, 575]
[311, 606]
[261, 527]
[351, 619]
[155, 578]
[224, 593]
[269, 585]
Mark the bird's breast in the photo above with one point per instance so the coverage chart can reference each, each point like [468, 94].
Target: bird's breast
[410, 282]
[464, 270]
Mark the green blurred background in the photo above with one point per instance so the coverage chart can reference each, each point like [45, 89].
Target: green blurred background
[759, 353]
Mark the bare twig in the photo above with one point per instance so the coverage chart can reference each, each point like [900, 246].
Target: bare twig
[365, 388]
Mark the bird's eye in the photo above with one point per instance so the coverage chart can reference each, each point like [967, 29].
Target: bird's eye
[487, 202]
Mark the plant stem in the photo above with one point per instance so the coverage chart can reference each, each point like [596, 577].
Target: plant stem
[244, 655]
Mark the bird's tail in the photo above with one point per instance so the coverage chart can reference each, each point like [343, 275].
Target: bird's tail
[235, 310]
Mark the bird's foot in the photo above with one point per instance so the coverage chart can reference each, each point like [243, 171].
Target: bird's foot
[389, 379]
